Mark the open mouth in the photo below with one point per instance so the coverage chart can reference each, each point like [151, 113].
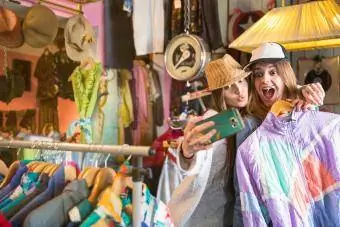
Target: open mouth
[268, 92]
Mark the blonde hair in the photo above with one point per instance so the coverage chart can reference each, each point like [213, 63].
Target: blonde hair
[256, 107]
[219, 102]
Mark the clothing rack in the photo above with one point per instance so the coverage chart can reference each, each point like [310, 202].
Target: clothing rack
[138, 151]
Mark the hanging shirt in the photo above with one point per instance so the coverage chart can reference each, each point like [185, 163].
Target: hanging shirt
[148, 25]
[15, 181]
[55, 187]
[85, 84]
[55, 210]
[289, 172]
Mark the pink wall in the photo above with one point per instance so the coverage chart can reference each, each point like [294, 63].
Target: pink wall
[28, 100]
[67, 109]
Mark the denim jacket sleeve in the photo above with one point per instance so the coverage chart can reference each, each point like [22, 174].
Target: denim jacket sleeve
[251, 125]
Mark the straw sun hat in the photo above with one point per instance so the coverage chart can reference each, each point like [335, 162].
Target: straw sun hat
[224, 72]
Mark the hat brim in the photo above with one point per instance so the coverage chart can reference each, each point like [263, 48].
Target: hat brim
[270, 60]
[241, 76]
[76, 55]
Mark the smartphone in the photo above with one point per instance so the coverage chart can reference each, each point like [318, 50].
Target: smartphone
[227, 123]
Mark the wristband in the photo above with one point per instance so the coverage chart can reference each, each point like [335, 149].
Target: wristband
[187, 158]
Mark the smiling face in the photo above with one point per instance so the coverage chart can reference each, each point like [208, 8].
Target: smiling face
[268, 83]
[236, 95]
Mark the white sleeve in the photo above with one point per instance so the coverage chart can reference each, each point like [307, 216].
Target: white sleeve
[196, 163]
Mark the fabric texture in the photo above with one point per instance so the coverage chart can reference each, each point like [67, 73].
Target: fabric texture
[55, 187]
[170, 177]
[12, 208]
[15, 181]
[148, 24]
[55, 210]
[119, 43]
[288, 171]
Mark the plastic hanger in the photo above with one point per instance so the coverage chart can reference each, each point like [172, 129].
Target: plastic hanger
[40, 167]
[281, 107]
[3, 168]
[103, 179]
[11, 172]
[55, 168]
[48, 169]
[83, 172]
[90, 176]
[32, 164]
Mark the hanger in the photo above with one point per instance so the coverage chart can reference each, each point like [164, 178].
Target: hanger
[281, 107]
[11, 172]
[46, 51]
[47, 169]
[87, 61]
[3, 168]
[120, 182]
[90, 176]
[40, 167]
[81, 174]
[103, 179]
[32, 164]
[55, 168]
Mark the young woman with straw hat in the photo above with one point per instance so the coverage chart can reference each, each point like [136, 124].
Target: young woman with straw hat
[206, 196]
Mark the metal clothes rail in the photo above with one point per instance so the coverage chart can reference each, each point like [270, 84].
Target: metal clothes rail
[94, 148]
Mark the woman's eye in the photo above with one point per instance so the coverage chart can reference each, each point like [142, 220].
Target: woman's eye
[272, 73]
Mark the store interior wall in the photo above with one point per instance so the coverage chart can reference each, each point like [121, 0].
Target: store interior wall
[93, 12]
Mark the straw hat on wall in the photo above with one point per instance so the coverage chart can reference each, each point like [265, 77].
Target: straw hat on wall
[10, 29]
[79, 36]
[40, 26]
[224, 72]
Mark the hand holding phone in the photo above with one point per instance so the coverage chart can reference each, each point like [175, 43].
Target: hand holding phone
[227, 123]
[199, 134]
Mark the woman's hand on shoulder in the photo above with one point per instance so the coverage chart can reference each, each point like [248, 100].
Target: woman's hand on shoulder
[313, 93]
[194, 137]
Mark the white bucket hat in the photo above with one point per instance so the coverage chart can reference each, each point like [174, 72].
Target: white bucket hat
[267, 52]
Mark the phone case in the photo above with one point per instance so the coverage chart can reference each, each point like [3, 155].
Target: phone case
[227, 123]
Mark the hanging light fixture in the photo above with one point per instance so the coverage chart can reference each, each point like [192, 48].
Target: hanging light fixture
[311, 25]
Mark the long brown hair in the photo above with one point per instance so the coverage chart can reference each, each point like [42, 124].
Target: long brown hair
[256, 107]
[219, 104]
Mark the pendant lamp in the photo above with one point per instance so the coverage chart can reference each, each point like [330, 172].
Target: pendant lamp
[306, 26]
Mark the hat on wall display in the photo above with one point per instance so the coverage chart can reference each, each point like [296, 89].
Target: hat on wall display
[10, 29]
[40, 26]
[79, 37]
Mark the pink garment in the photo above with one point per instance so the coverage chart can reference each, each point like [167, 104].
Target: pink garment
[140, 74]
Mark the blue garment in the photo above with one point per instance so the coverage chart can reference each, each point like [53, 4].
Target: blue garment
[15, 181]
[251, 124]
[55, 187]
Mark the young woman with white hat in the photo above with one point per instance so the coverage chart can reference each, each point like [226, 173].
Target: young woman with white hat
[206, 196]
[288, 171]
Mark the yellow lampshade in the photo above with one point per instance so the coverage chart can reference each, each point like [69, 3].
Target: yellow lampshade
[311, 25]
